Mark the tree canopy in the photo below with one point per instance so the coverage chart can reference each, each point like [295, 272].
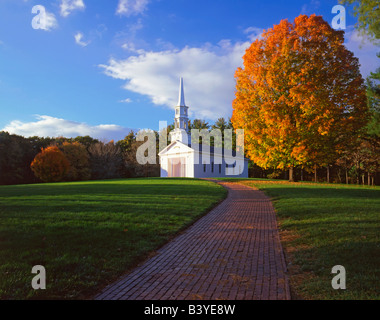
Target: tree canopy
[368, 13]
[300, 96]
[50, 165]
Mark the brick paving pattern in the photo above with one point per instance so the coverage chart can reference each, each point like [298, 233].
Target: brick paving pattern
[232, 253]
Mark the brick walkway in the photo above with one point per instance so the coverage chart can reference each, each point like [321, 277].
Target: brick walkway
[233, 253]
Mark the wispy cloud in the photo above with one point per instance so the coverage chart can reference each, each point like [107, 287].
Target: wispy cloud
[128, 38]
[128, 100]
[68, 6]
[50, 21]
[132, 48]
[311, 7]
[254, 33]
[78, 39]
[131, 7]
[44, 20]
[47, 126]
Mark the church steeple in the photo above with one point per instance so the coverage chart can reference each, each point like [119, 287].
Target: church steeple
[181, 119]
[181, 99]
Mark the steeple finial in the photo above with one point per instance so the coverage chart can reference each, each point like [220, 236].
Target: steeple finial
[181, 100]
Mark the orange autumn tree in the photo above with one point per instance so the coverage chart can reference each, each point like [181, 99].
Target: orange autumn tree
[300, 95]
[50, 165]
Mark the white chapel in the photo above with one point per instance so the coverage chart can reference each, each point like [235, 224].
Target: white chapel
[182, 158]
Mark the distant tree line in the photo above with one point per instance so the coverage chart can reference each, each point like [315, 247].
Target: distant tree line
[358, 163]
[44, 159]
[36, 159]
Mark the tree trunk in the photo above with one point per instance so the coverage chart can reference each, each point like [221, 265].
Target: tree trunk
[328, 174]
[357, 173]
[315, 173]
[339, 176]
[369, 179]
[363, 178]
[301, 174]
[291, 174]
[346, 176]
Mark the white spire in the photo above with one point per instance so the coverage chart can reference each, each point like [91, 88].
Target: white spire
[181, 100]
[181, 119]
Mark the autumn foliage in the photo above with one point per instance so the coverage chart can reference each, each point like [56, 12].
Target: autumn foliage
[50, 165]
[300, 96]
[78, 158]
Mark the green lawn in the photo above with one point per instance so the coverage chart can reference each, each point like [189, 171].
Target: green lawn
[86, 234]
[326, 225]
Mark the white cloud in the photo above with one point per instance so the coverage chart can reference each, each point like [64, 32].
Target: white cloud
[68, 6]
[132, 48]
[47, 126]
[78, 39]
[44, 20]
[131, 7]
[254, 33]
[208, 74]
[128, 100]
[362, 49]
[128, 38]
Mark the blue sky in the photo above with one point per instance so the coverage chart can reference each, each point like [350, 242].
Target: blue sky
[101, 67]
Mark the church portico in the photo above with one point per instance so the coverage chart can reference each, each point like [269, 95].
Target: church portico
[177, 162]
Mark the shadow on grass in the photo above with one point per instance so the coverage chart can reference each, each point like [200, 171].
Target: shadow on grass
[135, 186]
[89, 233]
[324, 225]
[361, 264]
[322, 192]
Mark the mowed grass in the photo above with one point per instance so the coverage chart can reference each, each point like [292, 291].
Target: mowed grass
[323, 225]
[86, 234]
